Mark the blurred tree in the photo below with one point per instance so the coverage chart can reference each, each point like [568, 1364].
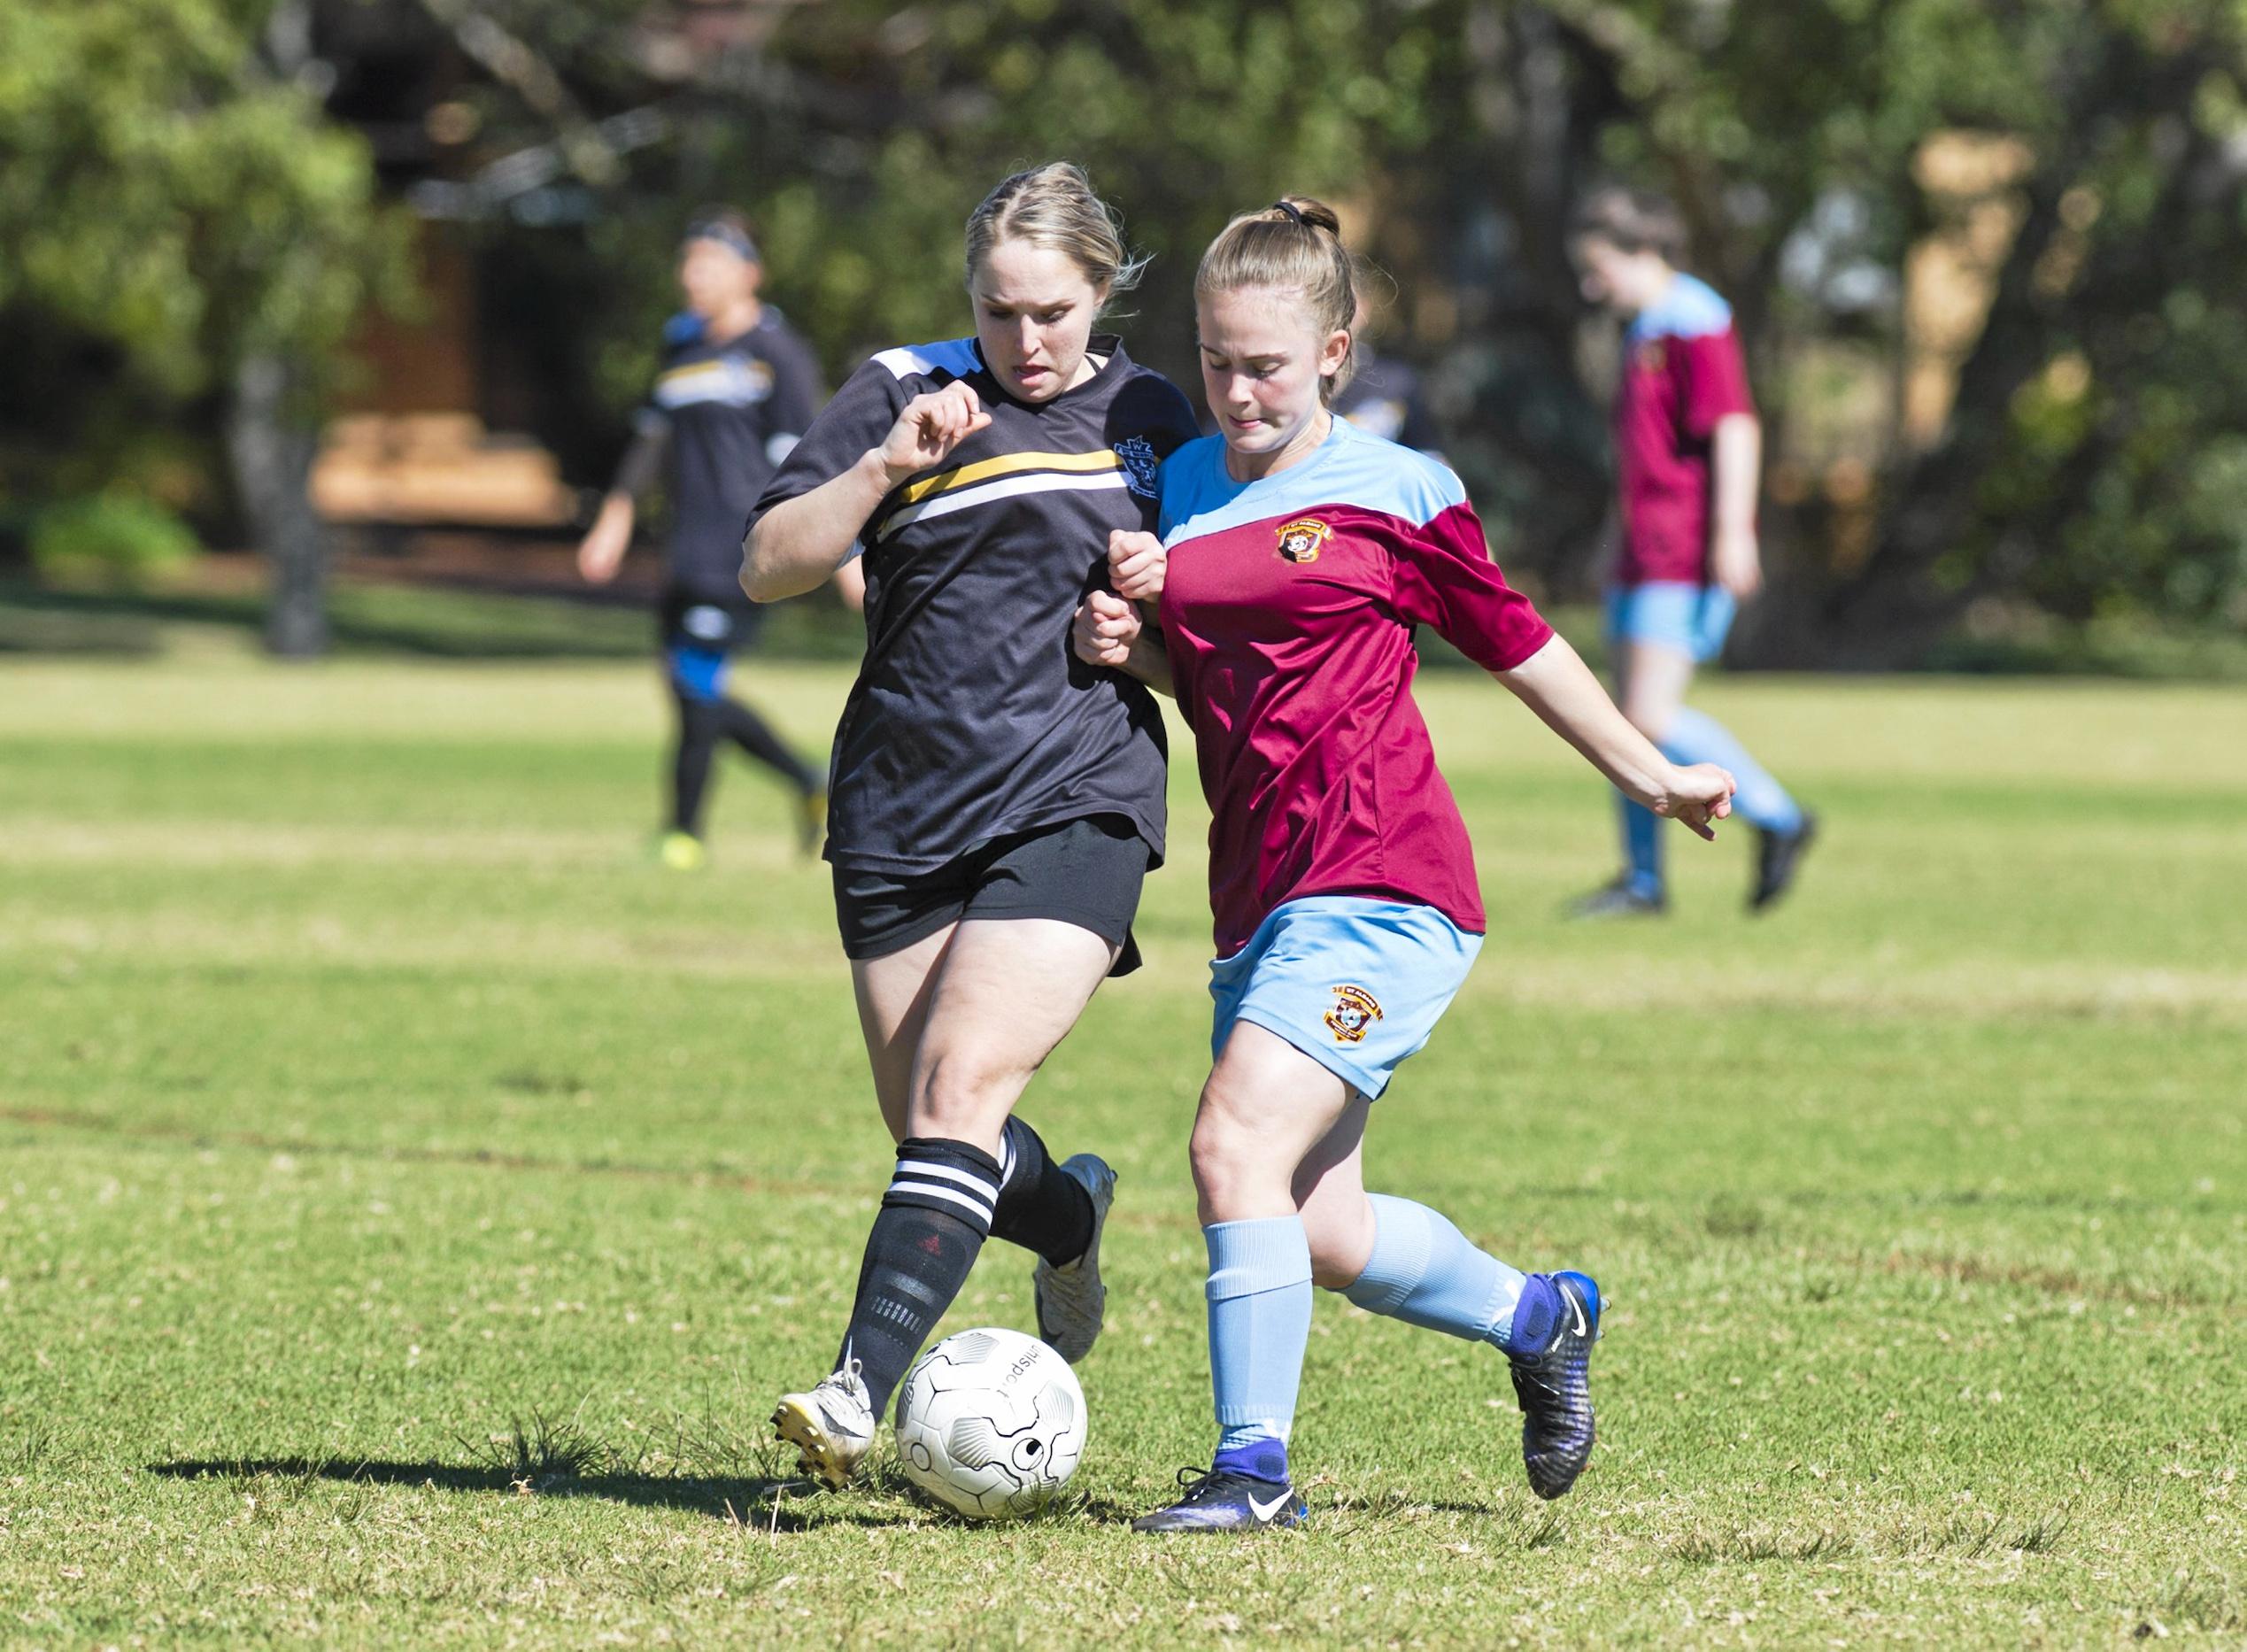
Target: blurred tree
[2091, 455]
[187, 236]
[189, 227]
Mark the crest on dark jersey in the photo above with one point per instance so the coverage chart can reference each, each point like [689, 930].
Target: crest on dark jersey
[1139, 465]
[1654, 356]
[1355, 1012]
[1302, 539]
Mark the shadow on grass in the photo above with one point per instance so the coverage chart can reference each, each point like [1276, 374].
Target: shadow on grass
[755, 1504]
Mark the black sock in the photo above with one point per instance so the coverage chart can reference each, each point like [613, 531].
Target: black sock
[699, 730]
[1039, 1208]
[932, 1222]
[753, 734]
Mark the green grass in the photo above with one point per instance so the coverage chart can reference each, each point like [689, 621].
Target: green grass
[409, 1201]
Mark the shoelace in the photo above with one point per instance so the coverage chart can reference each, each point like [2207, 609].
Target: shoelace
[1196, 1481]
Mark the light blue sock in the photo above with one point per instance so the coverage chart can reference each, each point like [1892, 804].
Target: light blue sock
[1260, 1309]
[1426, 1272]
[1641, 847]
[1696, 738]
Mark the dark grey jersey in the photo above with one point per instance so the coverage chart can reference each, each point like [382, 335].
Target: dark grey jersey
[732, 410]
[972, 718]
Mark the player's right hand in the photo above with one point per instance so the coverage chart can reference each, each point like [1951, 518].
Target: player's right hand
[1699, 796]
[1136, 564]
[1104, 629]
[603, 548]
[929, 428]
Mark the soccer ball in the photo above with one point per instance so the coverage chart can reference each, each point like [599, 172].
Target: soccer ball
[991, 1423]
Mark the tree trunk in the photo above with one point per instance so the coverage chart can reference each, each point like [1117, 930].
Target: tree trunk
[271, 454]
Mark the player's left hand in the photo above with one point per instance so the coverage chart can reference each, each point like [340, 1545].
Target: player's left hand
[1699, 796]
[1136, 564]
[1737, 562]
[1104, 629]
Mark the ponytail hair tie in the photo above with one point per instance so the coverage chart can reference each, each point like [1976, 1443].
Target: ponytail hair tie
[1293, 215]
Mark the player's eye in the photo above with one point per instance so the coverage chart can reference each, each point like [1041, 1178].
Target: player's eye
[1054, 318]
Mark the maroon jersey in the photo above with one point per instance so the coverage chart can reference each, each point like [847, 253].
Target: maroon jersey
[1288, 612]
[1682, 372]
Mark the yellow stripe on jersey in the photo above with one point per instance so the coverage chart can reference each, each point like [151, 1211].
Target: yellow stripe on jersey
[1000, 487]
[1006, 465]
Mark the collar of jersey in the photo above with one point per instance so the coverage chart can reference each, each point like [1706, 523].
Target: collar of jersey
[1098, 345]
[1227, 502]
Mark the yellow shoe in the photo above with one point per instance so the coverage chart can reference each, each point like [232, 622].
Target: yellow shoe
[682, 852]
[811, 823]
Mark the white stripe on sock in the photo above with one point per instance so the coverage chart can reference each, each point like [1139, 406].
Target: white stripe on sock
[982, 1184]
[933, 1190]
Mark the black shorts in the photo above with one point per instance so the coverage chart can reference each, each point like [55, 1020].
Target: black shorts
[1085, 872]
[689, 619]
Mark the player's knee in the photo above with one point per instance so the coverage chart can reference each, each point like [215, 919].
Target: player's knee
[1226, 1164]
[1341, 1243]
[959, 1094]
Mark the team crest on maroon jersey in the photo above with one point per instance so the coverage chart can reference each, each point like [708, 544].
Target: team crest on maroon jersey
[1653, 356]
[1302, 539]
[1355, 1012]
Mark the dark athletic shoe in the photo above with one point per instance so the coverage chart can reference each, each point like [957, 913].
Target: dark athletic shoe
[1618, 900]
[1555, 1392]
[1778, 856]
[1215, 1501]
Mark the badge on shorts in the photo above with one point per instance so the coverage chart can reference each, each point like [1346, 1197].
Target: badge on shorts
[1355, 1012]
[1301, 540]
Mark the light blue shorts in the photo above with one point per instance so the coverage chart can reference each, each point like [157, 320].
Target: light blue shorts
[1357, 985]
[1674, 613]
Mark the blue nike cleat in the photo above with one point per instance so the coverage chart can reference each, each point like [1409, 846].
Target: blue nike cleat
[1555, 1390]
[1220, 1500]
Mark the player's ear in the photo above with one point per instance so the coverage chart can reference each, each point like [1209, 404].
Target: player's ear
[1334, 352]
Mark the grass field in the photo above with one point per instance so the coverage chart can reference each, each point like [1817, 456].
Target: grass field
[410, 1202]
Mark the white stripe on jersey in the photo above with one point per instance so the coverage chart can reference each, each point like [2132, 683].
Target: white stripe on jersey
[929, 1190]
[955, 356]
[1004, 488]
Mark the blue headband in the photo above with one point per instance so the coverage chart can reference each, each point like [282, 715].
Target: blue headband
[736, 240]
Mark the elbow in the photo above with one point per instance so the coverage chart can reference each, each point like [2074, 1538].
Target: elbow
[757, 582]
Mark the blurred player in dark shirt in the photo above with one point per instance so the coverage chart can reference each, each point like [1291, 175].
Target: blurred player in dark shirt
[737, 391]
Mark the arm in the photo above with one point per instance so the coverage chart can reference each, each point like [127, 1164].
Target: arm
[1110, 631]
[801, 542]
[1735, 459]
[1556, 684]
[610, 536]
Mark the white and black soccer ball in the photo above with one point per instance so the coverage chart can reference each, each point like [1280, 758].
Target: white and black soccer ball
[991, 1423]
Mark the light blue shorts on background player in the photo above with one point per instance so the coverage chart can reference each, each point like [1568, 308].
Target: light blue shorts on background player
[1356, 984]
[1672, 614]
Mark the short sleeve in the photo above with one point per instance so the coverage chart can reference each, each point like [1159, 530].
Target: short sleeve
[858, 417]
[1444, 579]
[1712, 380]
